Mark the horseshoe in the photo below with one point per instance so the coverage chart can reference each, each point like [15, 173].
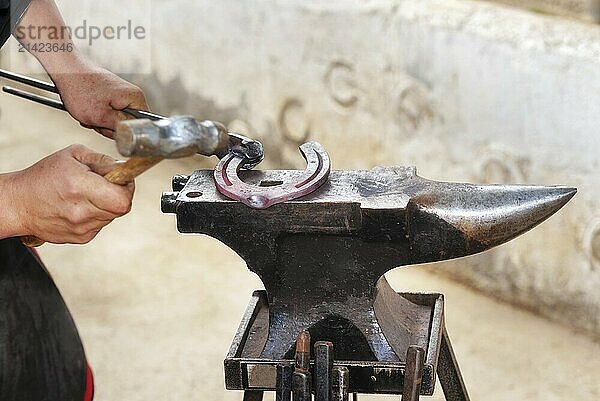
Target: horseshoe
[316, 174]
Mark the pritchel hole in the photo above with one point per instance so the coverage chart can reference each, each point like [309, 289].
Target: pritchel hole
[268, 183]
[194, 194]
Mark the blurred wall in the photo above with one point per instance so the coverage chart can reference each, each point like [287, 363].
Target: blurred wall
[586, 10]
[464, 90]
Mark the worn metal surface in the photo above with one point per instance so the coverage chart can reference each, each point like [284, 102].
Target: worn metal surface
[174, 137]
[335, 245]
[324, 357]
[450, 379]
[248, 149]
[244, 359]
[301, 386]
[468, 90]
[341, 377]
[283, 391]
[322, 258]
[415, 359]
[183, 136]
[269, 193]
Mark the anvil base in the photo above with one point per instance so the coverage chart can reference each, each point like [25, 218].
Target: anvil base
[246, 370]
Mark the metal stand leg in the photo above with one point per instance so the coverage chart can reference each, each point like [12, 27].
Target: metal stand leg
[253, 395]
[449, 372]
[340, 379]
[283, 386]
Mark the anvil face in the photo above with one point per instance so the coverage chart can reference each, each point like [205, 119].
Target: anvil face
[322, 257]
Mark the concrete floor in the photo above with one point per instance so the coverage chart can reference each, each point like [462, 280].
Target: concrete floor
[157, 310]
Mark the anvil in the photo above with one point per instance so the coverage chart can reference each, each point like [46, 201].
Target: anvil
[322, 257]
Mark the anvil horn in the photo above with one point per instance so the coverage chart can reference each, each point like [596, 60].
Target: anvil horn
[478, 216]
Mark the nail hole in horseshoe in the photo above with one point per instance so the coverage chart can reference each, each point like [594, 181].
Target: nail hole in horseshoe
[270, 183]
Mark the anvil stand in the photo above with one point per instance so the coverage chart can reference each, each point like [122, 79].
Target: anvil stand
[255, 375]
[322, 260]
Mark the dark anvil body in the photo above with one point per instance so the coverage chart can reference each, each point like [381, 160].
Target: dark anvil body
[322, 257]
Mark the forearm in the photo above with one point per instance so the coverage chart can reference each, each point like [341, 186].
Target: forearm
[10, 224]
[92, 95]
[42, 24]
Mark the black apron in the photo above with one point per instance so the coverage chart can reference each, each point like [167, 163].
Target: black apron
[41, 355]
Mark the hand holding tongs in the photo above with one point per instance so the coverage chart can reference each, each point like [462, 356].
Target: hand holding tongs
[57, 104]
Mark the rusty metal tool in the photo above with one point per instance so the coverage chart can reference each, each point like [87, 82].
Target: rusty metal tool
[265, 195]
[322, 260]
[323, 370]
[413, 374]
[301, 380]
[283, 384]
[302, 355]
[339, 381]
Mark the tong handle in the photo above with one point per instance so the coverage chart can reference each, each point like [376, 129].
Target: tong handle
[46, 101]
[57, 104]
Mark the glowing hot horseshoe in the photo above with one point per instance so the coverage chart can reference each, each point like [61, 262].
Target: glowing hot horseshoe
[229, 184]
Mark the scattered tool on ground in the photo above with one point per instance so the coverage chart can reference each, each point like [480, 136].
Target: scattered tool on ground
[302, 381]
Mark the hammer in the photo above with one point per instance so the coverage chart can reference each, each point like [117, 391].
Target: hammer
[151, 138]
[148, 142]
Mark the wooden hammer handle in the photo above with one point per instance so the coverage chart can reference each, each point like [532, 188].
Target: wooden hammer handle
[123, 174]
[127, 172]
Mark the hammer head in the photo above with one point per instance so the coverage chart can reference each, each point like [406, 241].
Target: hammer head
[171, 138]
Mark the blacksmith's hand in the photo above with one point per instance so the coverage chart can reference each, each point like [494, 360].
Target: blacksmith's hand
[95, 96]
[63, 198]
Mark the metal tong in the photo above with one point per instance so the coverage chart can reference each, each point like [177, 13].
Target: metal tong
[251, 151]
[54, 103]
